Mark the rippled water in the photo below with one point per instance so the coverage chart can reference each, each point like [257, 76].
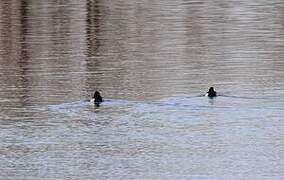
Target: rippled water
[152, 60]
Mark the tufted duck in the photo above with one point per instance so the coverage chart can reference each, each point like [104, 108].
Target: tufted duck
[211, 93]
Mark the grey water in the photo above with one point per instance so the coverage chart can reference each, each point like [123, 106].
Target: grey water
[152, 61]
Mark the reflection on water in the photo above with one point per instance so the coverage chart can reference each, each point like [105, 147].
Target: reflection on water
[152, 60]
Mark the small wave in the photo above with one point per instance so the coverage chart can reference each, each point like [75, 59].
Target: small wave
[239, 97]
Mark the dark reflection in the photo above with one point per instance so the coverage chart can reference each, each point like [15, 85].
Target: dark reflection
[97, 105]
[16, 82]
[211, 101]
[24, 22]
[39, 62]
[15, 58]
[24, 53]
[93, 42]
[93, 26]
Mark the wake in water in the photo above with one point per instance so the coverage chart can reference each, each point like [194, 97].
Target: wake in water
[241, 97]
[173, 103]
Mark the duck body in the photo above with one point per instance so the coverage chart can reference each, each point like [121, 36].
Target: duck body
[97, 98]
[211, 93]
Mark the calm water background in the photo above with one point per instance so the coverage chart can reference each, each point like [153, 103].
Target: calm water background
[151, 60]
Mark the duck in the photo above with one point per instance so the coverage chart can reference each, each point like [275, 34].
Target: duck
[211, 92]
[97, 98]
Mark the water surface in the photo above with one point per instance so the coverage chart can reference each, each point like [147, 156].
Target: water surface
[152, 60]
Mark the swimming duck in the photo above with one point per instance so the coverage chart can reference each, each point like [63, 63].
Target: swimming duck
[97, 98]
[211, 93]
